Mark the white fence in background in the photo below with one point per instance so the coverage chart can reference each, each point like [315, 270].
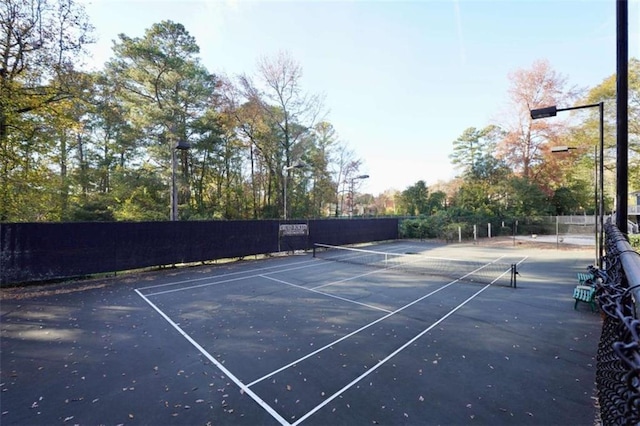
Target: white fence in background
[574, 220]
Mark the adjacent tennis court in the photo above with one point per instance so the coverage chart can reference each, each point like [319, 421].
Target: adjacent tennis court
[399, 333]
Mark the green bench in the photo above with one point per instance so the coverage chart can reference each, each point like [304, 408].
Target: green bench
[586, 294]
[585, 279]
[585, 291]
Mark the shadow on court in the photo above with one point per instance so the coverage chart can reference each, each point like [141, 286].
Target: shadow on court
[298, 340]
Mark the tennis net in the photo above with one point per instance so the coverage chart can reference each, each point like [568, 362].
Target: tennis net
[463, 270]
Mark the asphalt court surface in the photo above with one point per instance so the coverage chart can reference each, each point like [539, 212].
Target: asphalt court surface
[298, 340]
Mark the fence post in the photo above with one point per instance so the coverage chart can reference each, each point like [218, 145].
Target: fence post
[459, 234]
[489, 229]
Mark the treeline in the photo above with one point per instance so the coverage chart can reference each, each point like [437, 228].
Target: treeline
[112, 144]
[510, 170]
[107, 145]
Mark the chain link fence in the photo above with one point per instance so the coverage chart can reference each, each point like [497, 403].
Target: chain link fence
[618, 357]
[562, 228]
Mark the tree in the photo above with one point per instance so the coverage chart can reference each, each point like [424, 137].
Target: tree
[572, 200]
[474, 147]
[166, 90]
[525, 198]
[522, 148]
[384, 204]
[41, 41]
[437, 201]
[324, 141]
[606, 92]
[345, 167]
[286, 110]
[415, 199]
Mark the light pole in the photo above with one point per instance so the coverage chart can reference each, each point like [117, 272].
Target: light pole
[182, 146]
[552, 112]
[351, 190]
[599, 241]
[298, 165]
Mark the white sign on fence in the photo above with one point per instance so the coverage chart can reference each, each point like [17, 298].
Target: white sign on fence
[294, 229]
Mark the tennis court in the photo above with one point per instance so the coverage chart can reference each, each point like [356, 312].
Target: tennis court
[304, 340]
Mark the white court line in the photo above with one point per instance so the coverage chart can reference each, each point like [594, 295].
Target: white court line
[364, 327]
[326, 294]
[267, 407]
[391, 355]
[396, 266]
[174, 290]
[237, 381]
[280, 268]
[231, 279]
[327, 346]
[358, 276]
[222, 275]
[315, 263]
[376, 271]
[394, 353]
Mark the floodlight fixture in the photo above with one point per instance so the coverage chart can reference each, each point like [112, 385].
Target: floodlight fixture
[551, 111]
[562, 148]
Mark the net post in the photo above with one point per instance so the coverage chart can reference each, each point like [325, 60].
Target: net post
[314, 250]
[514, 272]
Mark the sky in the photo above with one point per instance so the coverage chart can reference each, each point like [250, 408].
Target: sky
[401, 80]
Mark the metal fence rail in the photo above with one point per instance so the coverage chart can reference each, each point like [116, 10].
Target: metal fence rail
[618, 358]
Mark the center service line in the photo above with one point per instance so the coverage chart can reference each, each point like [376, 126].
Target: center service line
[313, 290]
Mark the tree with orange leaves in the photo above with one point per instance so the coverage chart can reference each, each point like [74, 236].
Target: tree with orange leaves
[525, 142]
